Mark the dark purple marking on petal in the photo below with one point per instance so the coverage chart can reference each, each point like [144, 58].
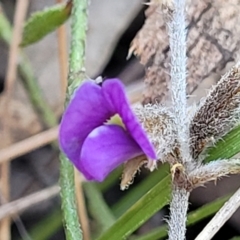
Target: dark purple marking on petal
[105, 148]
[114, 93]
[87, 110]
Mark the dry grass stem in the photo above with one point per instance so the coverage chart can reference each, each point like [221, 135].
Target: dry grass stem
[82, 212]
[15, 207]
[63, 56]
[28, 145]
[228, 209]
[19, 16]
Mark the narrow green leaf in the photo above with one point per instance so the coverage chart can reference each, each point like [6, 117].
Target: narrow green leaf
[194, 217]
[5, 28]
[137, 191]
[48, 226]
[227, 147]
[110, 180]
[140, 212]
[97, 206]
[42, 23]
[235, 238]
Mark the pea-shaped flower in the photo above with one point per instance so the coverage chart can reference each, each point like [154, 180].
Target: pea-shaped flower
[91, 137]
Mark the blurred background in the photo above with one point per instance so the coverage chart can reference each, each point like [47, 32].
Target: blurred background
[213, 49]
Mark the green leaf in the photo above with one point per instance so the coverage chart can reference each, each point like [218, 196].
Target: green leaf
[5, 28]
[137, 191]
[45, 228]
[112, 178]
[140, 212]
[194, 217]
[227, 147]
[42, 23]
[97, 206]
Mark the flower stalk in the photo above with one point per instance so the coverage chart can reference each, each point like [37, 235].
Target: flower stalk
[76, 71]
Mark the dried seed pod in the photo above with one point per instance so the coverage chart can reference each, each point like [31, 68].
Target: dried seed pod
[217, 114]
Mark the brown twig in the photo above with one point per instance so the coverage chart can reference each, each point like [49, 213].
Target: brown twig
[12, 208]
[20, 13]
[82, 212]
[28, 145]
[63, 56]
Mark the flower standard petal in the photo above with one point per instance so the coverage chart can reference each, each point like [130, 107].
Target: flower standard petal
[105, 148]
[114, 93]
[87, 110]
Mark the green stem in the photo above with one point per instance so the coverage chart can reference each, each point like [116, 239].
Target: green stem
[75, 77]
[69, 209]
[78, 42]
[34, 93]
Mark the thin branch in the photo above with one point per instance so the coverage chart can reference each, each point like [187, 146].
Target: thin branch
[228, 209]
[82, 212]
[15, 207]
[28, 145]
[20, 13]
[28, 79]
[62, 52]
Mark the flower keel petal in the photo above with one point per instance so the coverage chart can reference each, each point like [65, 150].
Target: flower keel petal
[104, 149]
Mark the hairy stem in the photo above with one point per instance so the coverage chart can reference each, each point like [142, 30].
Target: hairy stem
[76, 67]
[177, 43]
[177, 38]
[178, 214]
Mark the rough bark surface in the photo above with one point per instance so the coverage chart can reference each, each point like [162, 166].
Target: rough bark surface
[212, 42]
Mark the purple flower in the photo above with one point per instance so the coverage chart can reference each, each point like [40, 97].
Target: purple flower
[94, 144]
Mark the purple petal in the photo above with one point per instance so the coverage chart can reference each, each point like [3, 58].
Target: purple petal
[87, 110]
[105, 148]
[114, 93]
